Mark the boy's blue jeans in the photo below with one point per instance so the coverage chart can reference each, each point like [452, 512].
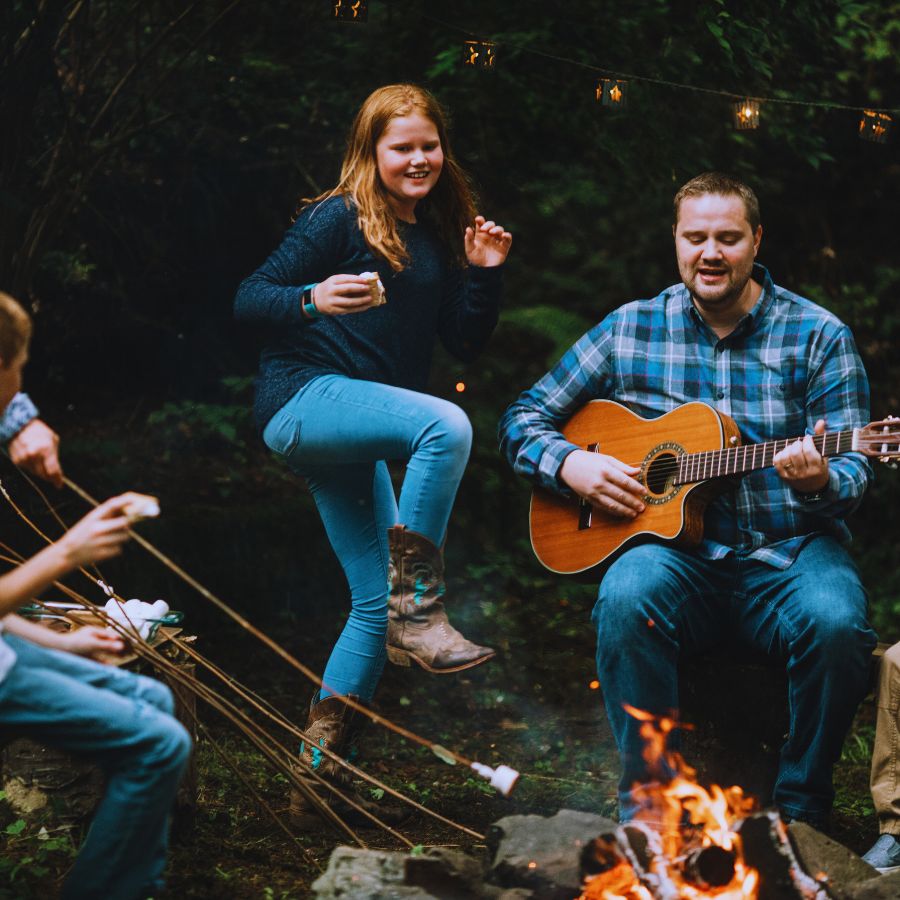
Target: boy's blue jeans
[338, 432]
[656, 602]
[123, 722]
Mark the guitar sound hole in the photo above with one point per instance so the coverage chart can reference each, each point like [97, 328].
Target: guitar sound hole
[661, 473]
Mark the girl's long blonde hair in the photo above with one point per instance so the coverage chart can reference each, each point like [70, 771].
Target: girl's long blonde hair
[450, 206]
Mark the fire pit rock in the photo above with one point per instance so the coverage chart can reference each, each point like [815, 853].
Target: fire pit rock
[882, 887]
[542, 853]
[436, 874]
[818, 853]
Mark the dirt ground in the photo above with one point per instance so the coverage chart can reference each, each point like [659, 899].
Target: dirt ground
[537, 712]
[535, 707]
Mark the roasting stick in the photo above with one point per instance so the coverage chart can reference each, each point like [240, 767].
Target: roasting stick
[246, 694]
[257, 702]
[503, 778]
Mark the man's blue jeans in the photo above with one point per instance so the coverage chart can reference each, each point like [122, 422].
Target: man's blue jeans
[657, 602]
[124, 723]
[338, 432]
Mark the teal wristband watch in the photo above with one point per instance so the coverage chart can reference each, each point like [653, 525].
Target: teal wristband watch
[307, 304]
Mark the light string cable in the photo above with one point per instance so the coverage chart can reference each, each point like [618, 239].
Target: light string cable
[631, 76]
[260, 704]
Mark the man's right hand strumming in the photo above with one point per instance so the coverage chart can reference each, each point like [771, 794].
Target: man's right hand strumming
[609, 484]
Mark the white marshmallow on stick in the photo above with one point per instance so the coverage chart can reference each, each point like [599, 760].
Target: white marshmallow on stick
[502, 779]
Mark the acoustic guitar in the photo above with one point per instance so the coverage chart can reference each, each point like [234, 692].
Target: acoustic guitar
[683, 455]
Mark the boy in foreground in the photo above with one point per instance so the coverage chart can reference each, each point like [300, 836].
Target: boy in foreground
[52, 692]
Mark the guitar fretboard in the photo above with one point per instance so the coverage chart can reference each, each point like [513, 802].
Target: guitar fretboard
[694, 467]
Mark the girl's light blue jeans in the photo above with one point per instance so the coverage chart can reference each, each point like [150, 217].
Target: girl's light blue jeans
[338, 433]
[657, 602]
[123, 722]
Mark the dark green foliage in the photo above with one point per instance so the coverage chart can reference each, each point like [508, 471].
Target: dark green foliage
[154, 152]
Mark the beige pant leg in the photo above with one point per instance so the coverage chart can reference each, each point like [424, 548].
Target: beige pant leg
[885, 781]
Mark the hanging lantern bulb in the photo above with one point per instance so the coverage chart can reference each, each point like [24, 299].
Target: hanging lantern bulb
[350, 10]
[612, 92]
[875, 126]
[479, 54]
[746, 114]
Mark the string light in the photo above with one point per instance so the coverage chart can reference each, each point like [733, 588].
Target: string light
[746, 114]
[479, 54]
[460, 387]
[350, 10]
[612, 92]
[875, 126]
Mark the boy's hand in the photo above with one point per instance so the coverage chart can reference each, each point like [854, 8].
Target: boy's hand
[99, 535]
[89, 640]
[36, 449]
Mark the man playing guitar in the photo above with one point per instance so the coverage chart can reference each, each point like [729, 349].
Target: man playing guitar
[770, 569]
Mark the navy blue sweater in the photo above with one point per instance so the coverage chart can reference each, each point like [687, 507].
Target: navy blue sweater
[391, 344]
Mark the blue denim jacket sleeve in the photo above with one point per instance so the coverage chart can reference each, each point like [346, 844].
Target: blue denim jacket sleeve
[16, 416]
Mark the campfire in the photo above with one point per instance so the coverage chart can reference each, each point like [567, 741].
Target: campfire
[689, 842]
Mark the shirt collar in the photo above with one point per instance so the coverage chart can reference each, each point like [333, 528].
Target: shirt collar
[761, 276]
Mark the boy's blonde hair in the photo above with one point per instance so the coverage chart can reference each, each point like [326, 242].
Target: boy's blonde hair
[450, 206]
[15, 329]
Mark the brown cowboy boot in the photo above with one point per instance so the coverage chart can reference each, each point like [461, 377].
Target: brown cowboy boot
[418, 627]
[333, 725]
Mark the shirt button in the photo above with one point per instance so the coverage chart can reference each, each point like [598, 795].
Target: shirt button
[721, 395]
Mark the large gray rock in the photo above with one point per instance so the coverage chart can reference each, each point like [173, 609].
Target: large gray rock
[820, 854]
[436, 874]
[542, 853]
[883, 887]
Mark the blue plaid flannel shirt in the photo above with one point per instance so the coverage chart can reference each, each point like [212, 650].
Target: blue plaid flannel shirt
[787, 364]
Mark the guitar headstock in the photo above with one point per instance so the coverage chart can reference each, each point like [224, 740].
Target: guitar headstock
[880, 439]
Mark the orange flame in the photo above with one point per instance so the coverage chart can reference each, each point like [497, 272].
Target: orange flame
[665, 806]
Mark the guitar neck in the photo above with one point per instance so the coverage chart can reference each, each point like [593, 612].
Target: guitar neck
[693, 467]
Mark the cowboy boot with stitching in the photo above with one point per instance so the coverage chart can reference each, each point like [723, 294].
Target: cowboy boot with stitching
[333, 725]
[418, 627]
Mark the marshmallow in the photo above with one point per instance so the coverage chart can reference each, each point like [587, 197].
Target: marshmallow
[376, 288]
[503, 778]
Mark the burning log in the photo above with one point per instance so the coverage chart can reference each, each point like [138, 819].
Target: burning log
[766, 847]
[709, 867]
[630, 863]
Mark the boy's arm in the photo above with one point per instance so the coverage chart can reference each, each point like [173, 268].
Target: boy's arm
[98, 536]
[85, 641]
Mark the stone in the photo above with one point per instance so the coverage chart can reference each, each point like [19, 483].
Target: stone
[883, 887]
[818, 853]
[543, 854]
[437, 874]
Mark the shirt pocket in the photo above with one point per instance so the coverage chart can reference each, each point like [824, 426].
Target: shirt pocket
[784, 402]
[282, 434]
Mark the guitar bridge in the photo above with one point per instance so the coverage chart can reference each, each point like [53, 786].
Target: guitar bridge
[585, 508]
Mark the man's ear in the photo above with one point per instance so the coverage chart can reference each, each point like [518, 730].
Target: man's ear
[757, 237]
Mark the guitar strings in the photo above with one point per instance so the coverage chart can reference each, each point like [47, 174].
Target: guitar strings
[701, 462]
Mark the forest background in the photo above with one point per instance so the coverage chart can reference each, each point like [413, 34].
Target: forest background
[153, 153]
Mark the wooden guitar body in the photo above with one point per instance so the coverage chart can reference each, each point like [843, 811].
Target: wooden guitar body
[571, 537]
